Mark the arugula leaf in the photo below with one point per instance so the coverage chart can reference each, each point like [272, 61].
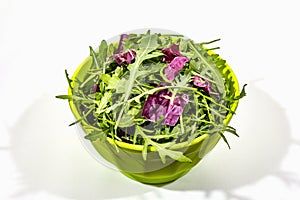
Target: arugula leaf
[231, 130]
[121, 87]
[112, 82]
[152, 55]
[95, 60]
[105, 78]
[176, 155]
[242, 94]
[102, 53]
[210, 65]
[126, 121]
[148, 44]
[161, 148]
[75, 98]
[104, 101]
[225, 139]
[68, 79]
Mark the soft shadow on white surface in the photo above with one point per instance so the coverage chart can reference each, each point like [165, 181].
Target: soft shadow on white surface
[264, 142]
[49, 157]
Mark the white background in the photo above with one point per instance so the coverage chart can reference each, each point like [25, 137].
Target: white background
[42, 158]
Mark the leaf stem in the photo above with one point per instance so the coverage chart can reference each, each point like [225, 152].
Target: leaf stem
[83, 117]
[212, 41]
[181, 125]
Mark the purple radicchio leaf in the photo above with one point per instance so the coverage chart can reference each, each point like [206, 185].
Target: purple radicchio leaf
[157, 106]
[95, 89]
[121, 43]
[174, 66]
[126, 57]
[170, 53]
[175, 110]
[202, 83]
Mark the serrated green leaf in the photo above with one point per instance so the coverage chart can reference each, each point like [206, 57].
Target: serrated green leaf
[176, 155]
[111, 49]
[210, 65]
[242, 94]
[108, 110]
[126, 121]
[232, 130]
[102, 52]
[68, 79]
[95, 60]
[162, 148]
[148, 44]
[104, 101]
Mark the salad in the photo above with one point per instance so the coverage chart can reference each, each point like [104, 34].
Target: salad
[156, 90]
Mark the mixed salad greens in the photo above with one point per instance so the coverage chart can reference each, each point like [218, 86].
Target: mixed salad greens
[154, 90]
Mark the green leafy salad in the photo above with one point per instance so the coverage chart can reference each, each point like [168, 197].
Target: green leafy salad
[154, 90]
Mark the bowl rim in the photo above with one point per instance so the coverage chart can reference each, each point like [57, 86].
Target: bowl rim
[151, 148]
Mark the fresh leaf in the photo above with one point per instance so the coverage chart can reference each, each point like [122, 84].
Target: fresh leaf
[242, 94]
[95, 60]
[102, 55]
[232, 130]
[153, 55]
[148, 44]
[68, 79]
[176, 155]
[126, 121]
[68, 97]
[113, 82]
[105, 78]
[225, 139]
[104, 101]
[122, 85]
[210, 65]
[162, 149]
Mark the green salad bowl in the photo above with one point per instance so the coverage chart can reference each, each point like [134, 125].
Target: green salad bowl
[128, 159]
